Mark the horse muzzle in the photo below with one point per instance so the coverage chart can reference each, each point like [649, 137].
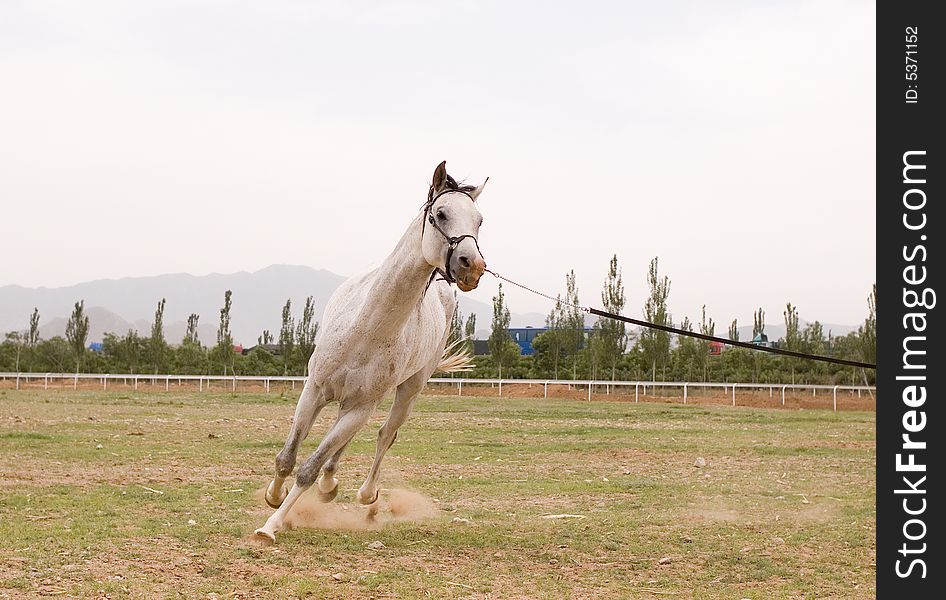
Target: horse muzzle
[468, 271]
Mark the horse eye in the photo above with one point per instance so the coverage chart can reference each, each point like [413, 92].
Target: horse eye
[441, 215]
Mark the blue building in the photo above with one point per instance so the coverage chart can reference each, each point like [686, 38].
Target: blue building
[524, 336]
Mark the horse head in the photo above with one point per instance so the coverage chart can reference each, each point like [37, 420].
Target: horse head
[451, 230]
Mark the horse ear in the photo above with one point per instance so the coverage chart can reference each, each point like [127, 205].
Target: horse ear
[476, 191]
[440, 177]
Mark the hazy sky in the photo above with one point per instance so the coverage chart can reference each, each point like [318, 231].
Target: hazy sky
[734, 140]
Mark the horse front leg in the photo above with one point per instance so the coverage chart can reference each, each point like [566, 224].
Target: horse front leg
[311, 402]
[350, 420]
[400, 410]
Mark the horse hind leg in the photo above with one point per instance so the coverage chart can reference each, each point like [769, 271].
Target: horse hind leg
[327, 484]
[350, 420]
[311, 402]
[400, 411]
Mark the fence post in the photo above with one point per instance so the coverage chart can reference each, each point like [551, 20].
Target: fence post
[234, 383]
[500, 387]
[545, 394]
[460, 388]
[46, 382]
[589, 391]
[734, 394]
[636, 385]
[684, 393]
[783, 395]
[104, 382]
[167, 384]
[18, 381]
[835, 391]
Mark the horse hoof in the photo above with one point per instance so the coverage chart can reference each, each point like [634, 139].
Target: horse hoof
[363, 500]
[269, 494]
[326, 496]
[265, 536]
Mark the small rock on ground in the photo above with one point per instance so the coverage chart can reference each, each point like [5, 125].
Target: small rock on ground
[699, 462]
[665, 561]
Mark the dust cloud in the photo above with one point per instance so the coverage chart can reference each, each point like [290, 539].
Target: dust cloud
[393, 506]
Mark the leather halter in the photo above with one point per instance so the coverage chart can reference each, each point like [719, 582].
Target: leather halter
[452, 241]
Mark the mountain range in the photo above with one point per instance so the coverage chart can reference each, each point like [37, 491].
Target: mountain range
[118, 305]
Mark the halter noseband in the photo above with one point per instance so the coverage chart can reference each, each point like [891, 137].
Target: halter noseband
[452, 241]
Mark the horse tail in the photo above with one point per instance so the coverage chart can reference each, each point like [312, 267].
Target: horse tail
[456, 358]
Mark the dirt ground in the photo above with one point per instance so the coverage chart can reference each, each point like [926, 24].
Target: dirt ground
[155, 494]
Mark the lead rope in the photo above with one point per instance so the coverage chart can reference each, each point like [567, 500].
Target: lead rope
[537, 293]
[674, 330]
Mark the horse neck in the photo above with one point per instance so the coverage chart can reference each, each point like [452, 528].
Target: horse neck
[400, 281]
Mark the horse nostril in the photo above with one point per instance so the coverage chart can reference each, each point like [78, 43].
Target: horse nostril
[465, 262]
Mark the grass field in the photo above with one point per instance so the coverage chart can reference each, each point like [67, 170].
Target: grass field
[155, 494]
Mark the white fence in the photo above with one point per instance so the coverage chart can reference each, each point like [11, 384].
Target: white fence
[640, 387]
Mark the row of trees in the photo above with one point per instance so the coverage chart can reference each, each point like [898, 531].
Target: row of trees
[24, 351]
[567, 349]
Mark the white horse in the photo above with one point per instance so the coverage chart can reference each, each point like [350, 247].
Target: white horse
[386, 329]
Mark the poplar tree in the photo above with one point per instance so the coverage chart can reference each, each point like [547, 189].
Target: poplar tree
[758, 329]
[734, 331]
[224, 348]
[792, 337]
[502, 348]
[469, 330]
[191, 358]
[654, 343]
[687, 352]
[610, 335]
[18, 340]
[286, 339]
[867, 334]
[707, 327]
[552, 338]
[77, 332]
[190, 336]
[306, 331]
[573, 322]
[157, 345]
[456, 322]
[131, 349]
[32, 338]
[758, 323]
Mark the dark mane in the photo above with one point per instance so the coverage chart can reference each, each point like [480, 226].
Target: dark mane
[451, 184]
